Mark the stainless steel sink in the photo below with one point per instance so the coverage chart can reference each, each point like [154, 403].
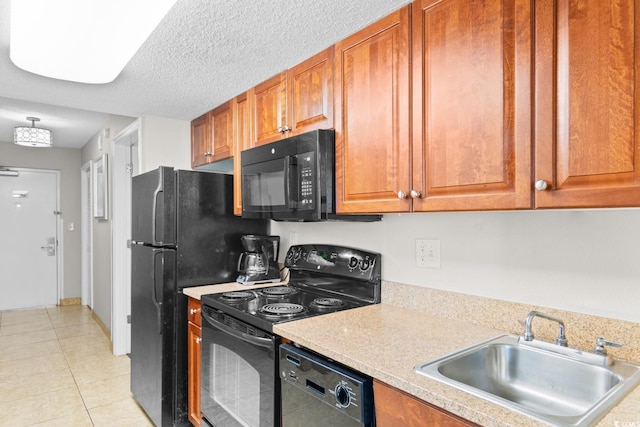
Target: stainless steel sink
[568, 387]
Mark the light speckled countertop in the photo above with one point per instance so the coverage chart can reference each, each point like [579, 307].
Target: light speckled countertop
[414, 325]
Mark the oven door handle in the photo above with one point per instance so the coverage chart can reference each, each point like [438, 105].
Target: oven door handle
[261, 342]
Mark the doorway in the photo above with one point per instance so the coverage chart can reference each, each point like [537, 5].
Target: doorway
[29, 226]
[125, 166]
[87, 234]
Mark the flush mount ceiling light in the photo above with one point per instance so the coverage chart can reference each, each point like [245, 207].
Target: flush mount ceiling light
[80, 40]
[31, 136]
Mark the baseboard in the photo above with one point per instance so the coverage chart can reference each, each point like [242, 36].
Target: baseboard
[70, 301]
[104, 328]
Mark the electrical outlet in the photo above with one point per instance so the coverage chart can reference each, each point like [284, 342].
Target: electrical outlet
[428, 253]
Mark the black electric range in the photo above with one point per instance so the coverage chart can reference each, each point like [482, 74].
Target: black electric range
[323, 279]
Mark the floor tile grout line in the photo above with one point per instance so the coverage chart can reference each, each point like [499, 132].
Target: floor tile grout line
[75, 381]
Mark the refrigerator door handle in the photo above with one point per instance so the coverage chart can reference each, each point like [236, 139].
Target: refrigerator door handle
[154, 210]
[154, 291]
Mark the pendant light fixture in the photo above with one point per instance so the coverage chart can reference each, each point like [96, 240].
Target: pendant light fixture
[31, 136]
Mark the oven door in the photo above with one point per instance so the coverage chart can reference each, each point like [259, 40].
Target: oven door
[240, 386]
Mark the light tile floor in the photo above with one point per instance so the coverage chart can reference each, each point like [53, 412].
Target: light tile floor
[57, 369]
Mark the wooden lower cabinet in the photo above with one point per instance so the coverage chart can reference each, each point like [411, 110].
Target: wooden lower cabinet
[194, 337]
[395, 408]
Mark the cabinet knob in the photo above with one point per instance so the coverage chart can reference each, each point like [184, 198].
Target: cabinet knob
[541, 185]
[198, 340]
[193, 311]
[280, 129]
[402, 195]
[287, 128]
[415, 194]
[207, 153]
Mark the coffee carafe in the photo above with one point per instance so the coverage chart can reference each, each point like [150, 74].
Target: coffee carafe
[259, 261]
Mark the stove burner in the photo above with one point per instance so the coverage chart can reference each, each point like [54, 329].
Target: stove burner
[282, 309]
[327, 303]
[237, 296]
[278, 291]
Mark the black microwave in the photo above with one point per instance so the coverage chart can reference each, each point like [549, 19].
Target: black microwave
[292, 179]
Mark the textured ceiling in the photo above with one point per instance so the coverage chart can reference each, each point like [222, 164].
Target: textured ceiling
[203, 53]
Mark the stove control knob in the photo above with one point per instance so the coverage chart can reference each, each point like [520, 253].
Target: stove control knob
[365, 264]
[343, 395]
[353, 262]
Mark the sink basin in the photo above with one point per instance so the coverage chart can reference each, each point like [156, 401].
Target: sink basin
[567, 388]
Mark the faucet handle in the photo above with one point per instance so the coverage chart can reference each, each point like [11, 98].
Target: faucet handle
[601, 343]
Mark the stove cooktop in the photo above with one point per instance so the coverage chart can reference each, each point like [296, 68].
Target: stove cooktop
[324, 279]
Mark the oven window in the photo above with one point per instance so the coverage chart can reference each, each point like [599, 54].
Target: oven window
[238, 381]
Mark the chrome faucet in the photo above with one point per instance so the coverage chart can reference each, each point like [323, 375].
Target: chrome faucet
[528, 334]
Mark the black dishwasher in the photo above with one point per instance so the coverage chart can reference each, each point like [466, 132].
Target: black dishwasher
[317, 392]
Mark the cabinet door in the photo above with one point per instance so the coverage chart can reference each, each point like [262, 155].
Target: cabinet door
[194, 334]
[371, 96]
[200, 141]
[242, 141]
[269, 104]
[587, 103]
[471, 104]
[310, 94]
[413, 412]
[221, 119]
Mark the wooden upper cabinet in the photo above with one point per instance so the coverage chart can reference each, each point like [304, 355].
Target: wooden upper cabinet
[269, 101]
[372, 98]
[587, 103]
[295, 101]
[200, 140]
[242, 138]
[212, 136]
[310, 94]
[471, 105]
[222, 132]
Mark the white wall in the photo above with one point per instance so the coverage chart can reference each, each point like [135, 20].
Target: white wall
[585, 261]
[165, 142]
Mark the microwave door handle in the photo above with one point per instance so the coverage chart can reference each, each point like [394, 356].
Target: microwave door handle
[290, 168]
[261, 342]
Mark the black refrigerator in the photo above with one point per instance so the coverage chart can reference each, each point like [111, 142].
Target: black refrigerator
[184, 234]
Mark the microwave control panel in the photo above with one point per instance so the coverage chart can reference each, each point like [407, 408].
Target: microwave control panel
[306, 179]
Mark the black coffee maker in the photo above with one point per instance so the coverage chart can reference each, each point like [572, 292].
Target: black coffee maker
[259, 261]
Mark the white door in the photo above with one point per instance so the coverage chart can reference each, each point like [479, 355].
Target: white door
[28, 247]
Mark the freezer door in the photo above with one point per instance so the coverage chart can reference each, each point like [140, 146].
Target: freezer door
[152, 331]
[153, 207]
[208, 233]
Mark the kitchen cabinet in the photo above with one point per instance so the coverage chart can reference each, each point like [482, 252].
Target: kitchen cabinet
[471, 106]
[242, 139]
[200, 141]
[372, 121]
[212, 136]
[414, 412]
[295, 101]
[587, 109]
[194, 337]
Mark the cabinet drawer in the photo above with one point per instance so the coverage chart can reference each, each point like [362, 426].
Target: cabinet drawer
[193, 311]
